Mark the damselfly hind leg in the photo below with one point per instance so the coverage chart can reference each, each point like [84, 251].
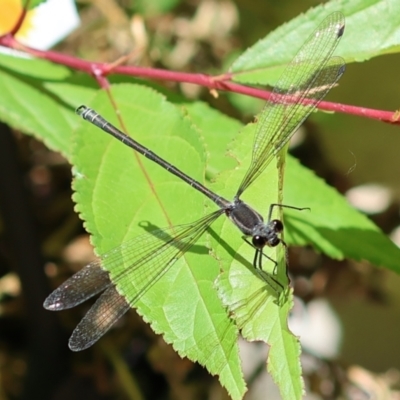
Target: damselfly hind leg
[271, 209]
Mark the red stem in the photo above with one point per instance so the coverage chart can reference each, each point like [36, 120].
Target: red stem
[223, 82]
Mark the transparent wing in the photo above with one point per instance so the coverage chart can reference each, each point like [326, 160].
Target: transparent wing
[303, 84]
[134, 267]
[104, 313]
[83, 285]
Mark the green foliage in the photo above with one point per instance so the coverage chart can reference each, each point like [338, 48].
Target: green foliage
[156, 7]
[350, 234]
[35, 3]
[39, 98]
[365, 37]
[332, 226]
[121, 195]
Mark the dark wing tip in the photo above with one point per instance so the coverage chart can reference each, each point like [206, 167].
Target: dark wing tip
[76, 344]
[53, 302]
[340, 31]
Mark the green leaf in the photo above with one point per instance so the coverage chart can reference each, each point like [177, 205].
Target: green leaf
[39, 98]
[259, 301]
[120, 195]
[262, 316]
[35, 3]
[205, 335]
[365, 37]
[217, 130]
[332, 226]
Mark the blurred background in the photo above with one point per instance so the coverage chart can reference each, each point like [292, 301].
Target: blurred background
[347, 313]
